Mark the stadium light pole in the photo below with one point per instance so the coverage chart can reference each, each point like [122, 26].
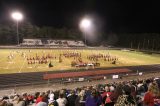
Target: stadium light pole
[18, 17]
[85, 24]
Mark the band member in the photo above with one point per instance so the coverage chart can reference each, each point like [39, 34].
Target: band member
[60, 59]
[50, 64]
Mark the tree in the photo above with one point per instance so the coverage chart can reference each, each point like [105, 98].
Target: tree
[8, 34]
[28, 30]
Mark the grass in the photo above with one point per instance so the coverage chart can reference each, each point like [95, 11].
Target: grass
[20, 64]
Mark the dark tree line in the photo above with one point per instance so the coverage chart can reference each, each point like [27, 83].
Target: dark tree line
[8, 33]
[146, 41]
[143, 41]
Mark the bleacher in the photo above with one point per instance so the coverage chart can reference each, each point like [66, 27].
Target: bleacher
[72, 43]
[31, 42]
[51, 42]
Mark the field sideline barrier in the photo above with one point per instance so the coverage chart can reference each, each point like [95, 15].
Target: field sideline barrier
[84, 73]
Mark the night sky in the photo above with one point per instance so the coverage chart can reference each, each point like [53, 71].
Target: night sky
[115, 15]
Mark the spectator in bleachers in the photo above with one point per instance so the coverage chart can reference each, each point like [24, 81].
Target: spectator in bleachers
[106, 99]
[18, 101]
[42, 103]
[52, 101]
[126, 99]
[5, 101]
[88, 91]
[114, 94]
[133, 91]
[93, 99]
[30, 98]
[62, 101]
[39, 98]
[106, 91]
[153, 92]
[133, 88]
[36, 95]
[56, 94]
[25, 99]
[117, 92]
[81, 99]
[72, 98]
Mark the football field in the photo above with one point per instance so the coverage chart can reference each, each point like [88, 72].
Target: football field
[37, 60]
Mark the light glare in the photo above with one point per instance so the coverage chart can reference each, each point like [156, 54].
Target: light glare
[85, 23]
[17, 16]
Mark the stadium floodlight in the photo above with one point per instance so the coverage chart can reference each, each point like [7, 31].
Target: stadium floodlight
[18, 17]
[85, 24]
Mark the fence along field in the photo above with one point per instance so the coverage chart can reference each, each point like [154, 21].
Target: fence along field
[37, 60]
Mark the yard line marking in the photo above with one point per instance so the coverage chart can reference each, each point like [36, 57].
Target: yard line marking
[22, 66]
[29, 67]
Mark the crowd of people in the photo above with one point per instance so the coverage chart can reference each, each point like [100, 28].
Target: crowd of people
[126, 93]
[75, 56]
[105, 57]
[72, 54]
[40, 59]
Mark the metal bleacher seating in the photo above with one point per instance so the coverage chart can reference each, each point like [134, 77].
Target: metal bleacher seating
[50, 42]
[31, 42]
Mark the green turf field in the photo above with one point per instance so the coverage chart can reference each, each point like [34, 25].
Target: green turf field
[15, 60]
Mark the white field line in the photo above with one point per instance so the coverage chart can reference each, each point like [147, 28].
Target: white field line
[22, 66]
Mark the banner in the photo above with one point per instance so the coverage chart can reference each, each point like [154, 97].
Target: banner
[115, 76]
[81, 79]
